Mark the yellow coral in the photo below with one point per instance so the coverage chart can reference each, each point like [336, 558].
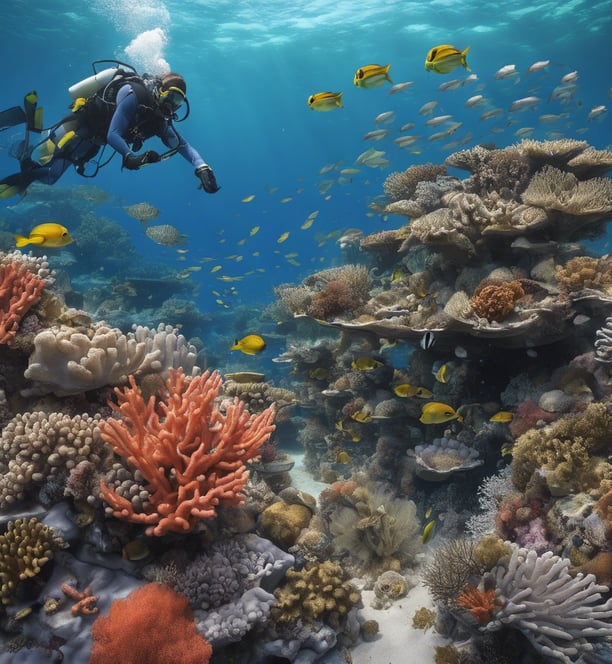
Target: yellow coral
[585, 272]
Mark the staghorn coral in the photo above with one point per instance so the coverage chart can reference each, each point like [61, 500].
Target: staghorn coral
[36, 446]
[565, 453]
[319, 591]
[450, 570]
[561, 615]
[190, 454]
[19, 290]
[25, 547]
[152, 624]
[400, 186]
[583, 272]
[554, 189]
[495, 301]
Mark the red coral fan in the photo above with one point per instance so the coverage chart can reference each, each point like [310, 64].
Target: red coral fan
[481, 604]
[153, 625]
[333, 299]
[527, 415]
[19, 290]
[495, 301]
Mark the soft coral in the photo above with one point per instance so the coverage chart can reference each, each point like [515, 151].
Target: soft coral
[152, 625]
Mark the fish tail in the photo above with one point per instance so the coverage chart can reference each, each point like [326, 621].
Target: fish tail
[339, 103]
[464, 58]
[21, 241]
[459, 418]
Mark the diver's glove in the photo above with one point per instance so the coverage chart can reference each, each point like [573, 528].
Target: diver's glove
[133, 161]
[207, 178]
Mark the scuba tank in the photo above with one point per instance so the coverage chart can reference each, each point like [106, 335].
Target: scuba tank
[92, 84]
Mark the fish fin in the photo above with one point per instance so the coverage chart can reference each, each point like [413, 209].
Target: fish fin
[21, 241]
[463, 58]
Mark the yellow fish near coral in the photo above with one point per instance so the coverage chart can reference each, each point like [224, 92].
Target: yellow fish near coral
[325, 101]
[361, 416]
[435, 412]
[444, 58]
[371, 76]
[366, 363]
[502, 416]
[249, 345]
[343, 457]
[45, 235]
[405, 390]
[428, 532]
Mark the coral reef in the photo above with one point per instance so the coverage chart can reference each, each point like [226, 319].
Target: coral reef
[19, 290]
[153, 624]
[190, 455]
[25, 547]
[438, 460]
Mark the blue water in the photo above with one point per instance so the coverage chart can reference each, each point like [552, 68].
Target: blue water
[250, 67]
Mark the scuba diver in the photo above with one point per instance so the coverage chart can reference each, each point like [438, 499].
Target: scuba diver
[114, 107]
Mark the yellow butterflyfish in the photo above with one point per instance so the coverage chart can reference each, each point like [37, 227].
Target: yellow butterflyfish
[444, 58]
[325, 101]
[283, 237]
[428, 532]
[372, 76]
[366, 363]
[502, 416]
[249, 345]
[248, 199]
[216, 268]
[307, 224]
[435, 412]
[254, 230]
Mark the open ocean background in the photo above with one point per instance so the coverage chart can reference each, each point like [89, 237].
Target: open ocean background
[250, 67]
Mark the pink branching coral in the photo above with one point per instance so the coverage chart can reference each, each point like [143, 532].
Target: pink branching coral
[19, 290]
[191, 455]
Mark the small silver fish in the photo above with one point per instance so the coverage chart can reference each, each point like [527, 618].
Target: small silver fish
[427, 340]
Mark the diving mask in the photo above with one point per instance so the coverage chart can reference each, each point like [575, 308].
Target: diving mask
[173, 97]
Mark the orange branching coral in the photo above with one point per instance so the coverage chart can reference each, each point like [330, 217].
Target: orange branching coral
[481, 604]
[191, 455]
[19, 290]
[85, 602]
[495, 301]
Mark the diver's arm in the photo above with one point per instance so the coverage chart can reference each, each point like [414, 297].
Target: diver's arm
[123, 117]
[172, 139]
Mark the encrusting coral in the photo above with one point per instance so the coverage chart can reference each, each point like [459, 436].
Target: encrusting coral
[190, 454]
[25, 547]
[319, 591]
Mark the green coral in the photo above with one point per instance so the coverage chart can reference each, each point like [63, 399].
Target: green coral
[566, 453]
[25, 547]
[316, 592]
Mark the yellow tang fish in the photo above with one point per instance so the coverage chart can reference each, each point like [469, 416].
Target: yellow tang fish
[283, 237]
[423, 393]
[249, 345]
[343, 457]
[435, 412]
[444, 58]
[441, 375]
[366, 363]
[405, 390]
[325, 101]
[371, 76]
[502, 416]
[320, 373]
[216, 268]
[254, 230]
[428, 532]
[248, 199]
[45, 235]
[361, 416]
[307, 224]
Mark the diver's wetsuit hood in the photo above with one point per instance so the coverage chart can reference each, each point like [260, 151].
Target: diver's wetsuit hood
[153, 85]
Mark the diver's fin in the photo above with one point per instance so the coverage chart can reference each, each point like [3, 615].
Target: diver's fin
[11, 117]
[15, 184]
[33, 114]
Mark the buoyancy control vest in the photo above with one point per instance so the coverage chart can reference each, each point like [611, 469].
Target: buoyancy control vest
[95, 113]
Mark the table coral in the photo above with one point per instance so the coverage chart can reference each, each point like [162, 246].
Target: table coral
[190, 454]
